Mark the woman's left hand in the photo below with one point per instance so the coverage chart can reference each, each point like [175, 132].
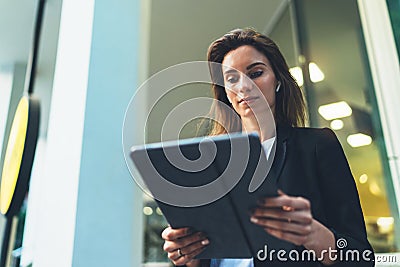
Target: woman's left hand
[285, 217]
[289, 218]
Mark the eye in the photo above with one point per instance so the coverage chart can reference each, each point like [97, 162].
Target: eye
[255, 74]
[232, 79]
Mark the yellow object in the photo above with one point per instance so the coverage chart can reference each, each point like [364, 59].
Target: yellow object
[14, 153]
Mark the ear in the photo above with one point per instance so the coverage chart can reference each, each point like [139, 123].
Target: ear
[278, 87]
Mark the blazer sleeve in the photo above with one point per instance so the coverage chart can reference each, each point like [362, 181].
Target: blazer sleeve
[341, 203]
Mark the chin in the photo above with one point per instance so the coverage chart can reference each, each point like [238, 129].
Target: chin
[247, 113]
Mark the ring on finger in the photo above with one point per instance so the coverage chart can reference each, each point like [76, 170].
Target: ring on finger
[287, 208]
[180, 253]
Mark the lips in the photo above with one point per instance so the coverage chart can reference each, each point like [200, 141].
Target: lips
[248, 99]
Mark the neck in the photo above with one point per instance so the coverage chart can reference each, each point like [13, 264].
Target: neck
[263, 125]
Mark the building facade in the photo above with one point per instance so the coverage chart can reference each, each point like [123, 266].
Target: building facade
[84, 208]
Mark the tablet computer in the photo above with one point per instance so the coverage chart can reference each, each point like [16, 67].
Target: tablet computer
[207, 184]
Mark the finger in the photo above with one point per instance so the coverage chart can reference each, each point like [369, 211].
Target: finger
[287, 226]
[188, 250]
[171, 245]
[294, 203]
[173, 256]
[285, 208]
[301, 217]
[172, 234]
[195, 253]
[187, 258]
[298, 240]
[281, 193]
[285, 200]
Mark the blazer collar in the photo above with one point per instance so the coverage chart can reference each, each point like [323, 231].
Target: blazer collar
[283, 133]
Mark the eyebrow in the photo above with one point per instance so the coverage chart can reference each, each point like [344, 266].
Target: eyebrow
[248, 67]
[255, 64]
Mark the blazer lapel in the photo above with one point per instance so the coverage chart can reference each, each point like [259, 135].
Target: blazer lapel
[276, 162]
[283, 133]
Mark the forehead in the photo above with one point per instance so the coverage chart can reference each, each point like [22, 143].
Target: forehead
[242, 57]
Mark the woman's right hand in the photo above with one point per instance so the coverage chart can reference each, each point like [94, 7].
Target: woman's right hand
[183, 245]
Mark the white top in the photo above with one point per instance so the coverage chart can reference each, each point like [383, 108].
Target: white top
[267, 145]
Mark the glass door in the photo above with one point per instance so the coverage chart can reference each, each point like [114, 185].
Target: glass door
[325, 49]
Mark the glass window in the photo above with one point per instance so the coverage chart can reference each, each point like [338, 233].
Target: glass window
[394, 13]
[154, 224]
[340, 95]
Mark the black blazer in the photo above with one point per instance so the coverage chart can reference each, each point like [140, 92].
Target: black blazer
[311, 163]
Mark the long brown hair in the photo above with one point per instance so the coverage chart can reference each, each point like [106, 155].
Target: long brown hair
[289, 102]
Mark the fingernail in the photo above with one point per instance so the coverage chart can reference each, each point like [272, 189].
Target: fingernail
[254, 219]
[205, 242]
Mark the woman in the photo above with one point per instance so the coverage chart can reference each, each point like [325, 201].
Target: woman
[318, 207]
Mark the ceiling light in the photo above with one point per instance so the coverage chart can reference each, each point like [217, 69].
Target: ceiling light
[297, 73]
[385, 224]
[374, 189]
[359, 139]
[158, 210]
[147, 211]
[363, 178]
[335, 110]
[337, 124]
[385, 221]
[316, 74]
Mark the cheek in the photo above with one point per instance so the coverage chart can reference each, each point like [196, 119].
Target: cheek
[230, 94]
[231, 97]
[268, 90]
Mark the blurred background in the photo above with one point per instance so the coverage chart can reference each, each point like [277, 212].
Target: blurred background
[83, 208]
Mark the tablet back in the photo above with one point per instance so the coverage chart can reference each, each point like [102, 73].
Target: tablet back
[203, 183]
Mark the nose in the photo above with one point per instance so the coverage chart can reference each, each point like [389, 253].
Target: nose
[245, 84]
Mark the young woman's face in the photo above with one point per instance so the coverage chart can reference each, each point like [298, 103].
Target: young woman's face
[249, 80]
